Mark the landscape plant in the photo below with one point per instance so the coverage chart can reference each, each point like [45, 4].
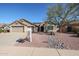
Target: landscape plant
[62, 13]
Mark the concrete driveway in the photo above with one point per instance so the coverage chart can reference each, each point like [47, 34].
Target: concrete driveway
[9, 39]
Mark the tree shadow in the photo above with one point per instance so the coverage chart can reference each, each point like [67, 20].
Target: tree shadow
[74, 35]
[21, 40]
[45, 42]
[70, 32]
[41, 33]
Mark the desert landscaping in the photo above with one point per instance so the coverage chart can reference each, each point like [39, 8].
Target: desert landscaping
[41, 29]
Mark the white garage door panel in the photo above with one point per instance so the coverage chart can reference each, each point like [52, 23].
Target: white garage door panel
[17, 29]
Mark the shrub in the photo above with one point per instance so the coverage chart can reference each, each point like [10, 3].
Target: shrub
[1, 30]
[75, 30]
[78, 32]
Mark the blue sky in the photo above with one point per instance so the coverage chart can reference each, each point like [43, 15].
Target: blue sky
[31, 12]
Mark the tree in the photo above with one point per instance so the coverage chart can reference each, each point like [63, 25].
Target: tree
[60, 13]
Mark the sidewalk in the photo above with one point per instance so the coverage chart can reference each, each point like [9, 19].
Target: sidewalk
[32, 51]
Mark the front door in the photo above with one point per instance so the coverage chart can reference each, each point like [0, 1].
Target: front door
[42, 28]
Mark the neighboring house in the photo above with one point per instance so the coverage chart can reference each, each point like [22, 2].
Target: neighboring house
[6, 28]
[70, 27]
[21, 25]
[2, 26]
[75, 24]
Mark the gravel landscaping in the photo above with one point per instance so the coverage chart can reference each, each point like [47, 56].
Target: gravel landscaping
[70, 40]
[39, 40]
[9, 39]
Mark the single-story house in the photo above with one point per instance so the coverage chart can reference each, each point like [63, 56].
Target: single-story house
[69, 27]
[45, 27]
[75, 24]
[2, 26]
[21, 25]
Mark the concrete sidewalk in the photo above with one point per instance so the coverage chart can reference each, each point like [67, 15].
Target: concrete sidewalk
[32, 51]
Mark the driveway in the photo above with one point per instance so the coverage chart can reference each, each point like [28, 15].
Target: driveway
[38, 40]
[9, 39]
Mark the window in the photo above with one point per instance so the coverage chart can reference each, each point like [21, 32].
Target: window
[50, 27]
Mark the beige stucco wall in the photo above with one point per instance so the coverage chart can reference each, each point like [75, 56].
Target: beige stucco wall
[25, 28]
[10, 29]
[22, 23]
[35, 29]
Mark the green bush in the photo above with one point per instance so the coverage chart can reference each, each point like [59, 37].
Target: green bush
[1, 30]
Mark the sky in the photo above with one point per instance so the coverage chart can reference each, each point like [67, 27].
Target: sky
[31, 12]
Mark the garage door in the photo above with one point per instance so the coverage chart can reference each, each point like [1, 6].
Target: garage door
[17, 28]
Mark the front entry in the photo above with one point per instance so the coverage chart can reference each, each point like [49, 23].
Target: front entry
[42, 28]
[69, 29]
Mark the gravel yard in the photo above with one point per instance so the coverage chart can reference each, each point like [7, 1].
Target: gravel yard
[38, 40]
[69, 40]
[9, 39]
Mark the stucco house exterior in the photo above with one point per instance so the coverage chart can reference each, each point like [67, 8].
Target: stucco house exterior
[70, 27]
[21, 25]
[45, 27]
[2, 26]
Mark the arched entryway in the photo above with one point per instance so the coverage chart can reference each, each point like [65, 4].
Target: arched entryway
[38, 29]
[69, 28]
[42, 28]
